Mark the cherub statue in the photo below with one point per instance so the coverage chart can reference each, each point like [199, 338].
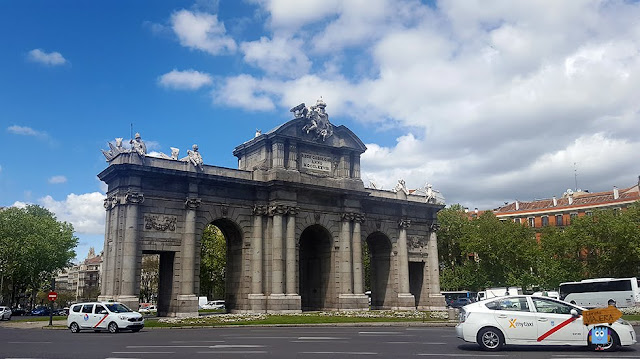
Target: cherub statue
[194, 157]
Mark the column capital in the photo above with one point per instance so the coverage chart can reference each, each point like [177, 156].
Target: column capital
[347, 216]
[359, 218]
[260, 210]
[434, 227]
[293, 210]
[404, 223]
[111, 202]
[192, 203]
[277, 210]
[133, 197]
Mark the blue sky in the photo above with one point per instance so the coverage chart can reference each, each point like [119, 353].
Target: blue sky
[489, 101]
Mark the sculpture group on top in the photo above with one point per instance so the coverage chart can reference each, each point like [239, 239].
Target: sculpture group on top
[318, 120]
[138, 147]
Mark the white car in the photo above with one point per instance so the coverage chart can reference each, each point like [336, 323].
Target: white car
[533, 320]
[5, 313]
[98, 316]
[148, 310]
[214, 304]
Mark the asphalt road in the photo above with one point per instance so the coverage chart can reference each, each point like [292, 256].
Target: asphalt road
[271, 342]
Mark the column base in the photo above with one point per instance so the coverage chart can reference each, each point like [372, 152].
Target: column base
[353, 302]
[405, 301]
[433, 302]
[130, 301]
[257, 303]
[284, 303]
[107, 298]
[187, 306]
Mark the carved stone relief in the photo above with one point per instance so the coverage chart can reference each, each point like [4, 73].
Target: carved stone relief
[160, 222]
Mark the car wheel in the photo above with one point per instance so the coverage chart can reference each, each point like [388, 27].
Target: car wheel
[490, 339]
[113, 327]
[74, 327]
[612, 344]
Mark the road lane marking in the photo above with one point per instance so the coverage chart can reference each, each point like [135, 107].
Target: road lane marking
[462, 355]
[340, 353]
[143, 352]
[380, 333]
[235, 352]
[29, 342]
[321, 338]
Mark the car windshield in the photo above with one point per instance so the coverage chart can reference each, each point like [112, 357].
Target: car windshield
[118, 308]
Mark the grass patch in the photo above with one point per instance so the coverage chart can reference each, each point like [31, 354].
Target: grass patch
[631, 317]
[315, 318]
[40, 318]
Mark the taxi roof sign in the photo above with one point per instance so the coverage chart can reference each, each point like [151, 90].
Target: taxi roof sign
[601, 315]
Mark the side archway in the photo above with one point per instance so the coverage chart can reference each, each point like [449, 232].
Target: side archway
[315, 269]
[232, 272]
[380, 270]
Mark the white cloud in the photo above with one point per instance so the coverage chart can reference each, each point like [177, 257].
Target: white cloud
[57, 179]
[278, 56]
[202, 31]
[84, 211]
[185, 80]
[19, 204]
[25, 131]
[49, 59]
[492, 100]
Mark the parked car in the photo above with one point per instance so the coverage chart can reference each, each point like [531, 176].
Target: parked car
[460, 302]
[148, 310]
[214, 304]
[533, 320]
[98, 316]
[5, 313]
[40, 311]
[18, 312]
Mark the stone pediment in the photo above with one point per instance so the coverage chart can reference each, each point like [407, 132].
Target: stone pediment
[342, 138]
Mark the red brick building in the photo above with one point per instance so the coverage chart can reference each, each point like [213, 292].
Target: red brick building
[561, 211]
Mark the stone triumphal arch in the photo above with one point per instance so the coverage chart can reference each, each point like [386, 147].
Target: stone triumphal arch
[295, 215]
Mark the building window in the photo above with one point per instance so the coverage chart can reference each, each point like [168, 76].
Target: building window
[573, 216]
[474, 216]
[532, 222]
[545, 221]
[503, 220]
[517, 220]
[559, 220]
[616, 211]
[589, 213]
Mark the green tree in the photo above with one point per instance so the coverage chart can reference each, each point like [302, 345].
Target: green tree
[507, 251]
[149, 276]
[605, 244]
[213, 263]
[33, 247]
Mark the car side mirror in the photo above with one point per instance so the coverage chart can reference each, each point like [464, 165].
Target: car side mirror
[574, 313]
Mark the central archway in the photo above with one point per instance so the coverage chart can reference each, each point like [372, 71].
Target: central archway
[315, 268]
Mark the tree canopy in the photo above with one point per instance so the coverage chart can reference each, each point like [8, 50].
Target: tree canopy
[34, 245]
[487, 252]
[213, 262]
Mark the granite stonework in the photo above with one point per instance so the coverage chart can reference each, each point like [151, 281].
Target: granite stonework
[295, 216]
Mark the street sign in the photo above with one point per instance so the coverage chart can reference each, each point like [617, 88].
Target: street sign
[52, 296]
[601, 315]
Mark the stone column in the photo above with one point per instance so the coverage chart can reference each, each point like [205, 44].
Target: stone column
[403, 257]
[277, 154]
[432, 255]
[358, 287]
[108, 259]
[293, 157]
[187, 300]
[277, 262]
[256, 245]
[345, 254]
[128, 295]
[356, 166]
[291, 270]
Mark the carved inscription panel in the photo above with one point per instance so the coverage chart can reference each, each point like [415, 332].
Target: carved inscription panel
[316, 162]
[160, 222]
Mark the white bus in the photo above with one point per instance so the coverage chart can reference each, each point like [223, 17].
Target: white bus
[592, 293]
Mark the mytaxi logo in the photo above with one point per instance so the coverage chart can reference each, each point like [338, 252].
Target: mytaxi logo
[512, 323]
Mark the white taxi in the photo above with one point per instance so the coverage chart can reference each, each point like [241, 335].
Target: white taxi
[532, 320]
[98, 316]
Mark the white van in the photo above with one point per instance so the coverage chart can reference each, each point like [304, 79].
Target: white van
[98, 316]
